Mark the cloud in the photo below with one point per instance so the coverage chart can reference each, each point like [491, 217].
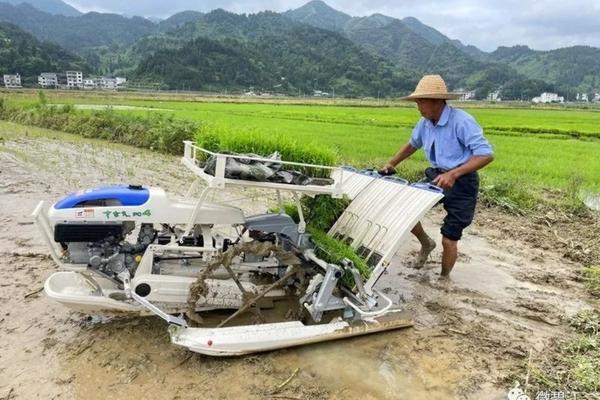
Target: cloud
[487, 24]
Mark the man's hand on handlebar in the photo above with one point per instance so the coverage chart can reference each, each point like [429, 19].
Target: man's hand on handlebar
[388, 169]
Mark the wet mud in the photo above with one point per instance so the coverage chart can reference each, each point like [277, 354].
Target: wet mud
[472, 335]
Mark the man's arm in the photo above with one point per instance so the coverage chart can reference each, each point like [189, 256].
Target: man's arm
[447, 179]
[406, 151]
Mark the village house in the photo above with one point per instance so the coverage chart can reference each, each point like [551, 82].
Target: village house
[74, 79]
[90, 84]
[494, 96]
[121, 82]
[466, 94]
[548, 98]
[48, 80]
[12, 81]
[108, 83]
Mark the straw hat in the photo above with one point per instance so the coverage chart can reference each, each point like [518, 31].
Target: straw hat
[431, 87]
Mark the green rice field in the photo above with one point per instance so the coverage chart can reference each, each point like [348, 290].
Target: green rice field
[548, 150]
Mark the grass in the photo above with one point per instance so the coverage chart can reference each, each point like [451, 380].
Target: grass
[576, 368]
[544, 157]
[156, 132]
[591, 277]
[576, 365]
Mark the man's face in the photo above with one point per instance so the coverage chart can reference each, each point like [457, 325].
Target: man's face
[430, 108]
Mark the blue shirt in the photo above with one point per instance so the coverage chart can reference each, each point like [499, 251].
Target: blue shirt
[452, 141]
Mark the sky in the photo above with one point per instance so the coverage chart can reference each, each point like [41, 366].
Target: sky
[487, 24]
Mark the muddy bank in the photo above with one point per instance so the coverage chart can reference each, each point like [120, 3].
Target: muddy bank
[508, 296]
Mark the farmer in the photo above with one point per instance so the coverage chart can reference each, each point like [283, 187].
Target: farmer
[455, 147]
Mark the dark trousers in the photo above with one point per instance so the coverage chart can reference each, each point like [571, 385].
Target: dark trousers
[459, 202]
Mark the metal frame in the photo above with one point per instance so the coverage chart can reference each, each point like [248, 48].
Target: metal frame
[190, 160]
[380, 219]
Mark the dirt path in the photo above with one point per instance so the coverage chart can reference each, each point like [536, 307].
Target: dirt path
[471, 339]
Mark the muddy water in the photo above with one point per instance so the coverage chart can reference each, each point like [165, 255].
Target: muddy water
[471, 336]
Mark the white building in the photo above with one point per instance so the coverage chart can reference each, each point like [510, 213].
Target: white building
[12, 81]
[121, 82]
[74, 79]
[320, 93]
[89, 84]
[548, 98]
[48, 80]
[466, 94]
[108, 83]
[494, 96]
[582, 97]
[596, 98]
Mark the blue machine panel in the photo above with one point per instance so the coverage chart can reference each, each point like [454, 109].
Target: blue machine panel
[122, 194]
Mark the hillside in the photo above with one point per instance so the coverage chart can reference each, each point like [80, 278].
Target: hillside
[575, 68]
[390, 39]
[412, 44]
[87, 30]
[55, 7]
[273, 54]
[179, 19]
[318, 14]
[404, 41]
[21, 52]
[313, 46]
[435, 37]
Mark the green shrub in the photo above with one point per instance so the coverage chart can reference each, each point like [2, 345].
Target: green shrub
[155, 132]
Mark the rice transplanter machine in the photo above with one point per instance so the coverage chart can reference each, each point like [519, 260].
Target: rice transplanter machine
[138, 250]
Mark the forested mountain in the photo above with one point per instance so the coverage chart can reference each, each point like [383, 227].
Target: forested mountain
[179, 19]
[269, 52]
[21, 53]
[87, 30]
[435, 37]
[55, 7]
[312, 47]
[576, 68]
[386, 35]
[408, 42]
[390, 39]
[319, 15]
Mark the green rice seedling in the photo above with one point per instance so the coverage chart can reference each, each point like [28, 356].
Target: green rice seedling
[322, 211]
[318, 223]
[334, 251]
[255, 142]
